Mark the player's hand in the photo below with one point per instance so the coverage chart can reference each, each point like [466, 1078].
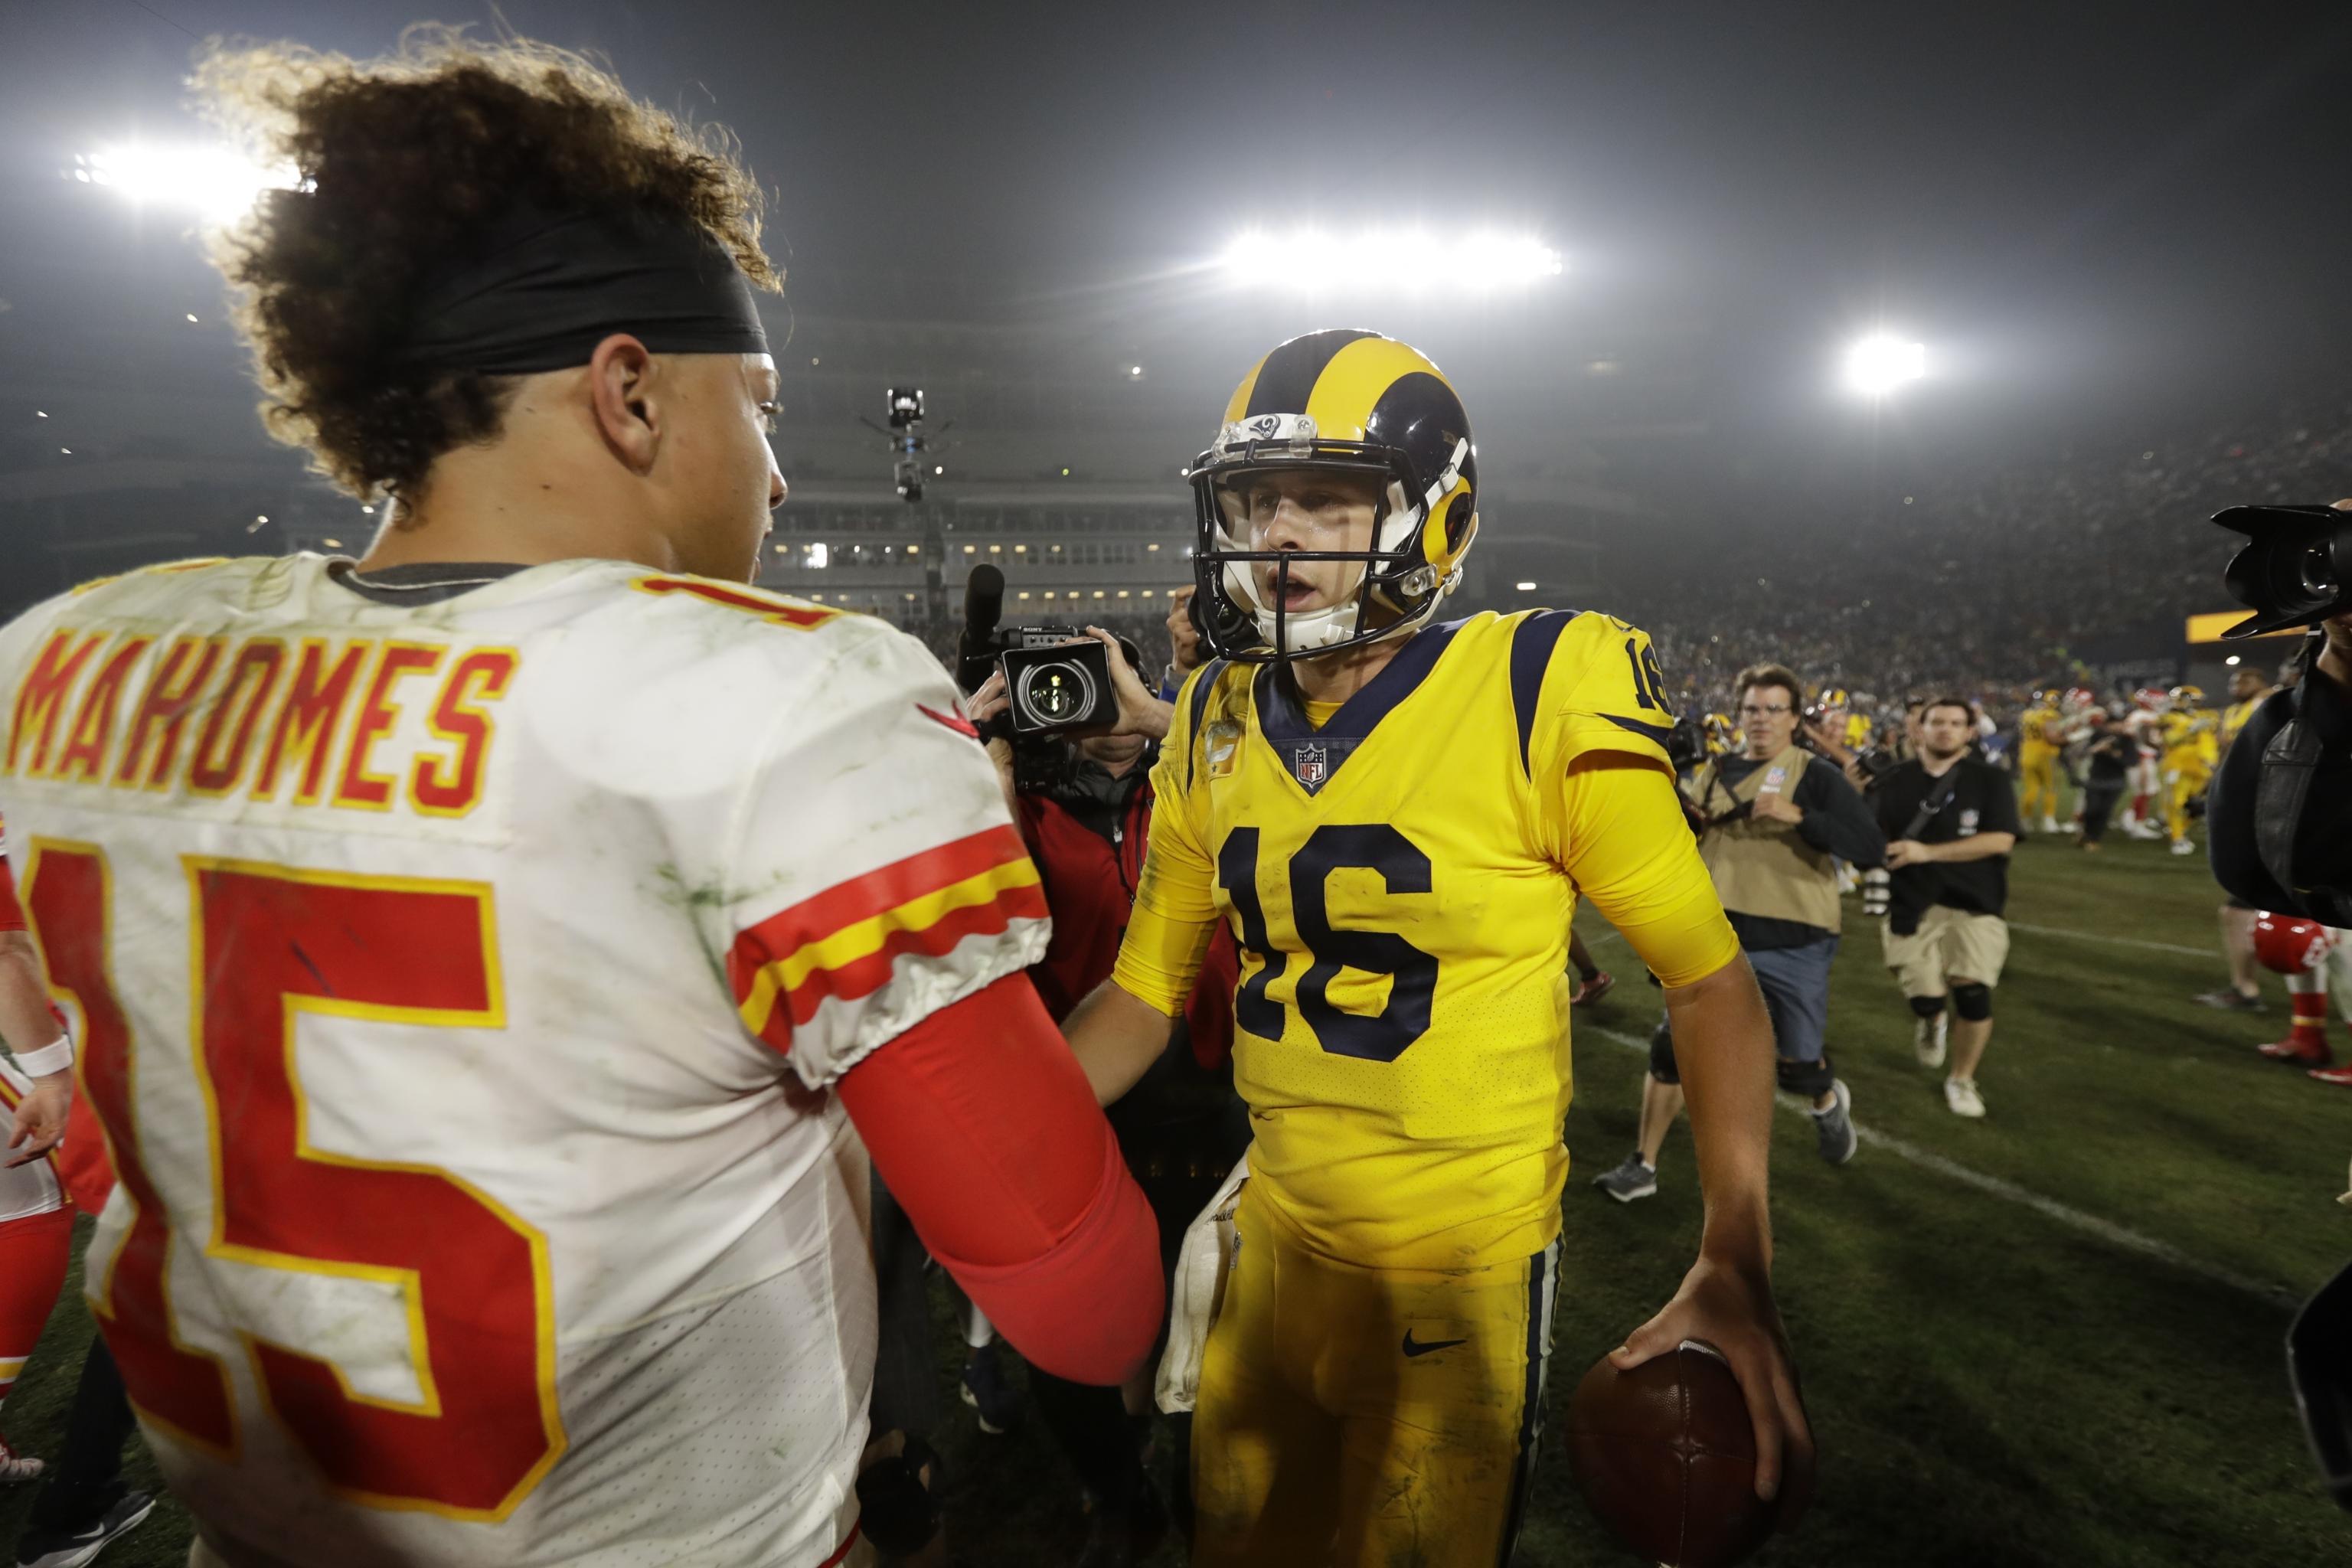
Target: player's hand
[40, 1122]
[1182, 636]
[1732, 1309]
[1908, 852]
[1141, 711]
[1773, 806]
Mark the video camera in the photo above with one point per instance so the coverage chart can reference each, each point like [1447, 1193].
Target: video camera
[2294, 569]
[1055, 678]
[1876, 761]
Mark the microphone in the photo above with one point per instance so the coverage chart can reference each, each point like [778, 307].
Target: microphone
[983, 602]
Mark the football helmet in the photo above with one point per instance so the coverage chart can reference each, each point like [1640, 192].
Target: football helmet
[2188, 695]
[2289, 944]
[2079, 700]
[1351, 402]
[2152, 699]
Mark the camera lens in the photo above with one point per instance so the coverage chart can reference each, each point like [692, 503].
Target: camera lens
[1054, 693]
[2317, 572]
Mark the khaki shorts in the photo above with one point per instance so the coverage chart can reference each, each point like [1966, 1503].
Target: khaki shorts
[1949, 943]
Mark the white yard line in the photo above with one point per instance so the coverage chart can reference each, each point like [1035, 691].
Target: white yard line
[2212, 952]
[2067, 1215]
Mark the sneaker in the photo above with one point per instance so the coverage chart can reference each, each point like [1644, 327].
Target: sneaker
[2182, 847]
[1928, 1039]
[1629, 1180]
[2050, 825]
[60, 1549]
[1587, 992]
[2230, 999]
[1960, 1095]
[2286, 1050]
[2341, 1076]
[1835, 1126]
[987, 1392]
[17, 1468]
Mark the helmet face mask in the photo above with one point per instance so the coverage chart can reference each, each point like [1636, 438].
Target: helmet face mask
[1387, 416]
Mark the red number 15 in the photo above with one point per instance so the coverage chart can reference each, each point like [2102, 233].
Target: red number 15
[271, 944]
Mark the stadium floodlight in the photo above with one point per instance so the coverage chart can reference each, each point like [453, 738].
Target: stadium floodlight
[218, 182]
[1880, 362]
[1391, 261]
[1527, 587]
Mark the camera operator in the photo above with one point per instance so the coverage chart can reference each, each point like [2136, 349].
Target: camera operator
[1950, 821]
[1774, 822]
[2279, 825]
[1084, 806]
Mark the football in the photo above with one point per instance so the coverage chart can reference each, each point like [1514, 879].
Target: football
[1665, 1456]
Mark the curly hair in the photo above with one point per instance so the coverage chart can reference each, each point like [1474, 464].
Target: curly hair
[403, 163]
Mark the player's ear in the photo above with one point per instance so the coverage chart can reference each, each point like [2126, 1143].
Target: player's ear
[624, 398]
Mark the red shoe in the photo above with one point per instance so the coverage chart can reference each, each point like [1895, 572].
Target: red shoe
[1587, 992]
[2342, 1075]
[2288, 1051]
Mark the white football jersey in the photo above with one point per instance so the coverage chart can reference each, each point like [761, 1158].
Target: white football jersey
[459, 984]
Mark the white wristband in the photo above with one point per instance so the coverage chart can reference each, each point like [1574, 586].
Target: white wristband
[55, 1057]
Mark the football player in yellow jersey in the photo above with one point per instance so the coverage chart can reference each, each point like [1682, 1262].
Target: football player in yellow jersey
[2186, 730]
[1395, 819]
[2040, 739]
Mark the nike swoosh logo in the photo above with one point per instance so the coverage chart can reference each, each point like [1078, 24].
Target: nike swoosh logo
[1413, 1347]
[958, 723]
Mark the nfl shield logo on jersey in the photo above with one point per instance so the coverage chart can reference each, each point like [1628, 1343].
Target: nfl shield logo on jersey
[1310, 762]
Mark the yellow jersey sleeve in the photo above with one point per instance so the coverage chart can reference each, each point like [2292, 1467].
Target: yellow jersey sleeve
[1175, 911]
[1630, 850]
[1611, 693]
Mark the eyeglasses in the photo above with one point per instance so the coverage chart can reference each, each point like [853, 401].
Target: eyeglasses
[1748, 711]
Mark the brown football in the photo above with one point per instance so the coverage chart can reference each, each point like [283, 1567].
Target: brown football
[1667, 1456]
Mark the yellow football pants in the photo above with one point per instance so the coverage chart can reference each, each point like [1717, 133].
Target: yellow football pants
[2181, 785]
[1357, 1417]
[2037, 784]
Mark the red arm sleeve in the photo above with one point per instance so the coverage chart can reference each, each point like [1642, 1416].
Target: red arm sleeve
[980, 1123]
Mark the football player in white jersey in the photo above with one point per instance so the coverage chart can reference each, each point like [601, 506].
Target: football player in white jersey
[493, 960]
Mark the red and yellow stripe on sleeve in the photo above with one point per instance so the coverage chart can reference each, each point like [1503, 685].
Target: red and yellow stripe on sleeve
[842, 942]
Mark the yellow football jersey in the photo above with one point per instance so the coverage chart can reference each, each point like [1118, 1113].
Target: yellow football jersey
[2234, 717]
[2033, 728]
[1401, 880]
[1857, 731]
[2180, 730]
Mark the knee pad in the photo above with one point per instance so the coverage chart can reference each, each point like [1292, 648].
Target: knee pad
[1927, 1007]
[1972, 1002]
[1811, 1079]
[1662, 1053]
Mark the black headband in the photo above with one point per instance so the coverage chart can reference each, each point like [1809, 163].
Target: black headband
[546, 287]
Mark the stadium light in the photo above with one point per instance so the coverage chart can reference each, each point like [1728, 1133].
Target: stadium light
[1394, 261]
[1527, 587]
[1880, 362]
[218, 182]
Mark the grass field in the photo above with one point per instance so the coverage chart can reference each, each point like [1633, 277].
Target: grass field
[1999, 1375]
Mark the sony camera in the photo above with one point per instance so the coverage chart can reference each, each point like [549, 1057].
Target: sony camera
[1056, 678]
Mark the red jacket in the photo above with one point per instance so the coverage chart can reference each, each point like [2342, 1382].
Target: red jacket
[1089, 886]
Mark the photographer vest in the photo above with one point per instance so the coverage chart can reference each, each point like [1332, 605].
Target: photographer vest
[1763, 868]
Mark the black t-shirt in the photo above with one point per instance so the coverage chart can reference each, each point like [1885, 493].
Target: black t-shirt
[2323, 838]
[1982, 801]
[2113, 751]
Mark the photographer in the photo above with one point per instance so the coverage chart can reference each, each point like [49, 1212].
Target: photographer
[1950, 821]
[1775, 821]
[1083, 802]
